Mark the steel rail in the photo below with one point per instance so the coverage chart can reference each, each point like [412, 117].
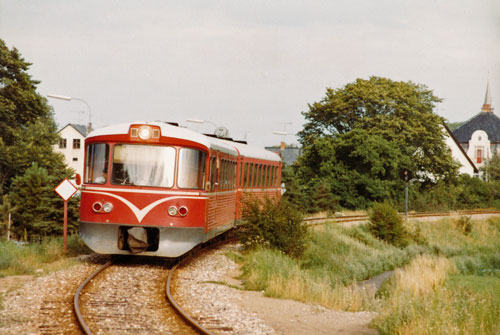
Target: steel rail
[350, 218]
[178, 308]
[76, 304]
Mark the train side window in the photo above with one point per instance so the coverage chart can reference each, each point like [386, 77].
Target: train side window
[191, 168]
[264, 172]
[276, 169]
[213, 172]
[257, 175]
[234, 169]
[96, 166]
[250, 175]
[266, 175]
[225, 171]
[245, 175]
[254, 175]
[222, 172]
[271, 177]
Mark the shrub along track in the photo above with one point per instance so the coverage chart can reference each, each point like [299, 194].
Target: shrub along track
[127, 296]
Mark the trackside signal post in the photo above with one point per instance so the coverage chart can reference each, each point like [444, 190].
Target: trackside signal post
[65, 190]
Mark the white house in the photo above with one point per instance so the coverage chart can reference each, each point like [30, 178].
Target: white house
[71, 145]
[480, 135]
[458, 153]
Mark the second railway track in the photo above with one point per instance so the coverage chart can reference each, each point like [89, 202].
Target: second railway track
[364, 218]
[128, 297]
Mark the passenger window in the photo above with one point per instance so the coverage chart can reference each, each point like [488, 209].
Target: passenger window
[250, 175]
[96, 166]
[213, 172]
[191, 168]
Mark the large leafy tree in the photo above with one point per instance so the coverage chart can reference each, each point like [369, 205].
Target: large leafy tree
[27, 135]
[359, 138]
[27, 126]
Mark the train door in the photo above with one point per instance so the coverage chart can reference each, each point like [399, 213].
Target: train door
[212, 188]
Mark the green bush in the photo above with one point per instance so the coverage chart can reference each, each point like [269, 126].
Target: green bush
[464, 224]
[274, 224]
[387, 225]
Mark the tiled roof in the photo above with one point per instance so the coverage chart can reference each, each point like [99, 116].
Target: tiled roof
[488, 122]
[82, 129]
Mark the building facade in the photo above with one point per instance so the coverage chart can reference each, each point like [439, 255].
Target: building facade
[71, 145]
[480, 135]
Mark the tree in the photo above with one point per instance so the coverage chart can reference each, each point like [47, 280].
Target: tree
[29, 168]
[6, 208]
[27, 127]
[492, 169]
[40, 210]
[359, 137]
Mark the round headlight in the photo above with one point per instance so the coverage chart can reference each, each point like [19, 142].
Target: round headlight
[172, 210]
[145, 133]
[107, 207]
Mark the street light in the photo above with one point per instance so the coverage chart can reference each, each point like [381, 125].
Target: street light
[63, 97]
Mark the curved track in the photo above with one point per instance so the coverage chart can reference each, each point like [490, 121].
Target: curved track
[118, 307]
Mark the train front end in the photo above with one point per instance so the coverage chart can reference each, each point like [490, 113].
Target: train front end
[143, 190]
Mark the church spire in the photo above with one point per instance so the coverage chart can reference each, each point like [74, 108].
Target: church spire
[487, 100]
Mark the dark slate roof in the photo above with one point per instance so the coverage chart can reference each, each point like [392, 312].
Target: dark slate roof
[82, 129]
[488, 122]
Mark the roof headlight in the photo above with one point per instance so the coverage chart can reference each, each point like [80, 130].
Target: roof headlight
[145, 133]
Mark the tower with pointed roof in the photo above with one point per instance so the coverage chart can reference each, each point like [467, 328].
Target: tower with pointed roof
[487, 100]
[480, 135]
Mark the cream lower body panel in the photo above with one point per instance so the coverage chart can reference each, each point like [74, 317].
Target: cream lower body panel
[173, 241]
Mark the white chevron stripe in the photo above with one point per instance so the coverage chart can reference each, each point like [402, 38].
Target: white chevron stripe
[141, 213]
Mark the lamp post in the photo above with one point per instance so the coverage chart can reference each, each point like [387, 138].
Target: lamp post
[63, 97]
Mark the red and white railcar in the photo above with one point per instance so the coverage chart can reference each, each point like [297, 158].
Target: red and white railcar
[157, 189]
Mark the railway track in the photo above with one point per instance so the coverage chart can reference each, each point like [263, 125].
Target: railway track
[362, 218]
[126, 296]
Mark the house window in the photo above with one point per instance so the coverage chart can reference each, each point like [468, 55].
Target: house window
[62, 143]
[479, 155]
[75, 159]
[76, 143]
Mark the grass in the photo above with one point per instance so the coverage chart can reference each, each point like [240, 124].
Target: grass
[42, 257]
[447, 279]
[421, 300]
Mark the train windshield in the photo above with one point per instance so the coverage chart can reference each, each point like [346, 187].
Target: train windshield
[143, 165]
[96, 167]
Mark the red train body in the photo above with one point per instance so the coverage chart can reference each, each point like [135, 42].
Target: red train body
[153, 188]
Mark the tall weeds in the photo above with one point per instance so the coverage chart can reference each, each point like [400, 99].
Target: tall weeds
[418, 302]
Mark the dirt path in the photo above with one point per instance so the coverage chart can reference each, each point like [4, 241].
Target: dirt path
[294, 318]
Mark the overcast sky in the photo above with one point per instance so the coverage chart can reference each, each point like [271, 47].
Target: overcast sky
[251, 66]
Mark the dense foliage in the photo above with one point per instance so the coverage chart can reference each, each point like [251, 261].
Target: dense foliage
[27, 134]
[387, 225]
[359, 138]
[273, 224]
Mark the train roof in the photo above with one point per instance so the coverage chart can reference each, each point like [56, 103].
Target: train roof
[226, 146]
